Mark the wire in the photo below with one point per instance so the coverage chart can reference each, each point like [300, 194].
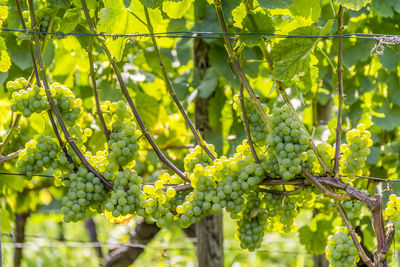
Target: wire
[197, 34]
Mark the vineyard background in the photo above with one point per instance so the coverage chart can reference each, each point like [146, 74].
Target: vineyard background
[194, 53]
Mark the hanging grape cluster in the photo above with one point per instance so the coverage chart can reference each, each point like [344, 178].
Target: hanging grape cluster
[340, 250]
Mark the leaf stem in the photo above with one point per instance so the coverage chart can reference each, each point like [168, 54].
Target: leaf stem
[353, 235]
[171, 90]
[340, 89]
[334, 69]
[68, 137]
[232, 57]
[124, 90]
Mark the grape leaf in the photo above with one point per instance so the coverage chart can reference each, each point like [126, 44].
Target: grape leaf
[385, 8]
[148, 108]
[256, 21]
[353, 4]
[176, 9]
[71, 19]
[239, 13]
[127, 3]
[306, 11]
[208, 84]
[152, 3]
[315, 240]
[60, 3]
[273, 4]
[290, 56]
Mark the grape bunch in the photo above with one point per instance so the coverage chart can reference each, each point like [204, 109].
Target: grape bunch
[43, 19]
[306, 197]
[28, 101]
[39, 154]
[281, 212]
[392, 211]
[17, 84]
[251, 225]
[288, 150]
[197, 156]
[355, 152]
[123, 143]
[125, 199]
[327, 153]
[353, 210]
[69, 106]
[258, 128]
[340, 250]
[84, 195]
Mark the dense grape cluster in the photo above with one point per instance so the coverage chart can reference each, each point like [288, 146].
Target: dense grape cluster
[327, 153]
[69, 106]
[84, 195]
[288, 149]
[258, 128]
[392, 211]
[353, 210]
[281, 212]
[355, 152]
[43, 19]
[123, 143]
[39, 154]
[16, 85]
[125, 199]
[29, 101]
[251, 225]
[340, 250]
[197, 156]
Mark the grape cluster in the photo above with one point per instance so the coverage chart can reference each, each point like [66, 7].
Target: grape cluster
[327, 153]
[251, 225]
[306, 197]
[85, 193]
[353, 210]
[392, 211]
[197, 156]
[125, 199]
[355, 152]
[258, 128]
[69, 106]
[17, 84]
[39, 154]
[281, 212]
[340, 250]
[43, 17]
[288, 149]
[28, 101]
[123, 143]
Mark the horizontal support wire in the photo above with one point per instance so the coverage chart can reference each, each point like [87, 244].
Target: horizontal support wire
[206, 34]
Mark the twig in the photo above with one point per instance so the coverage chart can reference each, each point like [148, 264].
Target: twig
[327, 58]
[3, 145]
[353, 235]
[231, 54]
[379, 229]
[145, 132]
[10, 156]
[282, 193]
[292, 110]
[325, 190]
[95, 91]
[171, 90]
[389, 239]
[68, 137]
[340, 89]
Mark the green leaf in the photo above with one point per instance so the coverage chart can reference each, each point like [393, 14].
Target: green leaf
[273, 4]
[208, 84]
[256, 21]
[148, 108]
[390, 59]
[307, 11]
[290, 56]
[60, 3]
[176, 9]
[373, 157]
[239, 13]
[353, 4]
[385, 8]
[315, 239]
[152, 3]
[127, 3]
[71, 19]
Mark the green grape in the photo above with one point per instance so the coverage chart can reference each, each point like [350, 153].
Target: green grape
[197, 156]
[127, 194]
[392, 211]
[39, 154]
[281, 212]
[355, 152]
[16, 85]
[28, 101]
[123, 143]
[69, 106]
[353, 210]
[288, 147]
[251, 224]
[340, 250]
[84, 195]
[258, 128]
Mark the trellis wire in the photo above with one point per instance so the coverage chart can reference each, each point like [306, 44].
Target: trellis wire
[380, 39]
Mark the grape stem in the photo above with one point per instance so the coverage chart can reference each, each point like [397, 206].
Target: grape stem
[95, 91]
[246, 123]
[68, 137]
[389, 239]
[145, 131]
[10, 156]
[292, 109]
[171, 90]
[340, 89]
[3, 145]
[353, 235]
[236, 65]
